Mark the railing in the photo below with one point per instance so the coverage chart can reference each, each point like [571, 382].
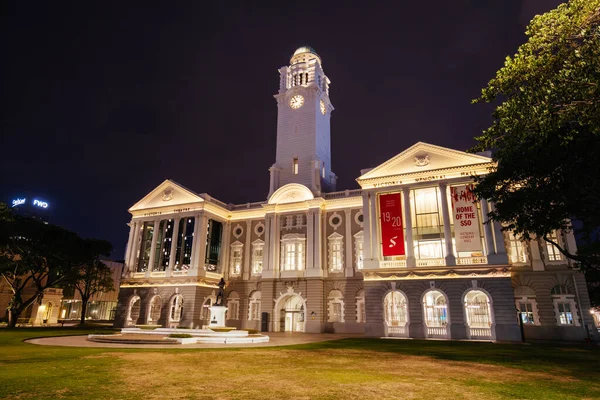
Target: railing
[345, 193]
[431, 262]
[437, 331]
[139, 274]
[180, 273]
[471, 260]
[398, 331]
[158, 274]
[256, 204]
[393, 264]
[484, 333]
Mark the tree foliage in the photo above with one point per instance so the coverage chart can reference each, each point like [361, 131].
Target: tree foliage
[93, 275]
[35, 256]
[546, 130]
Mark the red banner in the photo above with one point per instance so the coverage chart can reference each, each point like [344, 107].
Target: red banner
[392, 232]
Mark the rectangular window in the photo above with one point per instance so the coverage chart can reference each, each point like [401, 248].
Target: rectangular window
[553, 253]
[337, 312]
[323, 170]
[565, 315]
[517, 250]
[427, 223]
[185, 240]
[159, 239]
[526, 312]
[336, 255]
[236, 260]
[292, 254]
[295, 166]
[257, 259]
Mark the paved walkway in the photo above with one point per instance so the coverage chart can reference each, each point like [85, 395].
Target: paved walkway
[276, 339]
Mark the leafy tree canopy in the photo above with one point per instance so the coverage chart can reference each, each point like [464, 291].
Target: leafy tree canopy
[546, 129]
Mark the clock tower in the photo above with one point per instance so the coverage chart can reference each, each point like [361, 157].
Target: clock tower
[303, 130]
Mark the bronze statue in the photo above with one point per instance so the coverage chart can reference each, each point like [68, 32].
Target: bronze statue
[220, 293]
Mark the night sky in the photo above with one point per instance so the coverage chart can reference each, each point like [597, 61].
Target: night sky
[103, 102]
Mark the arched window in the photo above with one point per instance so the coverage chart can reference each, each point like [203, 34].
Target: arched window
[361, 314]
[395, 307]
[233, 306]
[205, 312]
[134, 310]
[565, 307]
[435, 313]
[477, 309]
[335, 306]
[154, 310]
[254, 306]
[176, 308]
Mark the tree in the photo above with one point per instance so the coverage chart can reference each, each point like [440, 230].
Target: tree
[93, 276]
[545, 133]
[35, 256]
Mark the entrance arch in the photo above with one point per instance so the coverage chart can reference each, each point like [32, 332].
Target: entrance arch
[289, 312]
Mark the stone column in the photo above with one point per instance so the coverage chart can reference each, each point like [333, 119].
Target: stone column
[348, 262]
[487, 228]
[131, 266]
[375, 243]
[269, 254]
[450, 258]
[201, 245]
[536, 258]
[310, 244]
[246, 273]
[366, 226]
[225, 250]
[129, 244]
[169, 271]
[408, 230]
[317, 259]
[194, 255]
[500, 256]
[153, 247]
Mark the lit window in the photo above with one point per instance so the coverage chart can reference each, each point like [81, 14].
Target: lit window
[205, 312]
[235, 266]
[527, 308]
[336, 258]
[323, 170]
[358, 248]
[257, 257]
[145, 246]
[436, 309]
[295, 166]
[427, 223]
[477, 308]
[396, 309]
[552, 251]
[292, 252]
[565, 307]
[516, 249]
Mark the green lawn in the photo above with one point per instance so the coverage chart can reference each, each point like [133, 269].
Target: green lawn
[343, 369]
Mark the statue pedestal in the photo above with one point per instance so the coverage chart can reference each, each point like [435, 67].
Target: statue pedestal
[217, 316]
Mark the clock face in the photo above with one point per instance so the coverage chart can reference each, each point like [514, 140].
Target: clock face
[323, 109]
[297, 101]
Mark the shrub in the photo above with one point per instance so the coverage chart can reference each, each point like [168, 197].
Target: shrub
[252, 331]
[181, 335]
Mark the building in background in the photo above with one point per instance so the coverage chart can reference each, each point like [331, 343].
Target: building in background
[409, 254]
[64, 305]
[32, 206]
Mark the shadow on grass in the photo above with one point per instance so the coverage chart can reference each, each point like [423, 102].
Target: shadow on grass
[579, 361]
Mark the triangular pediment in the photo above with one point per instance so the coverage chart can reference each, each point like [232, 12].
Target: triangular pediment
[168, 193]
[423, 157]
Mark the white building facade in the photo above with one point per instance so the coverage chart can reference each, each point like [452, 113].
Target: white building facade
[407, 255]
